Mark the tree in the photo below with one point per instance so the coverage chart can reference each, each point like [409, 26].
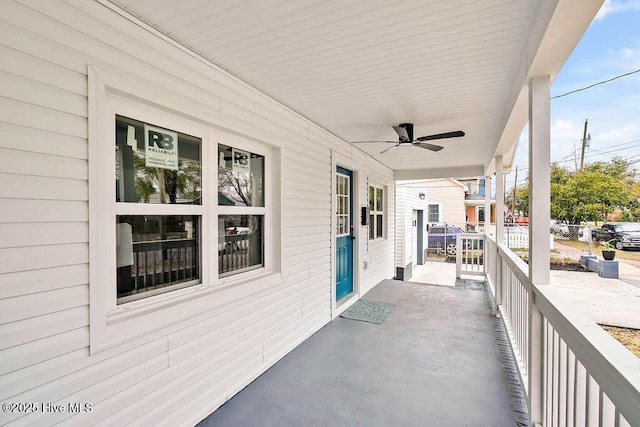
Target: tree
[522, 198]
[592, 193]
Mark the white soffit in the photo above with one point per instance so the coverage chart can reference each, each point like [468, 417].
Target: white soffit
[357, 68]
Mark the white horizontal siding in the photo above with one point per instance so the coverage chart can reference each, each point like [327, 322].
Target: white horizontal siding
[41, 141]
[35, 257]
[451, 196]
[29, 163]
[36, 234]
[49, 211]
[86, 373]
[44, 188]
[32, 305]
[28, 354]
[44, 279]
[35, 328]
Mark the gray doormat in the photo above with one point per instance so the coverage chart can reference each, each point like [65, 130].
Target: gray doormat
[368, 311]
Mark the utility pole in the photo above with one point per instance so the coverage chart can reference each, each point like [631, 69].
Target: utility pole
[584, 143]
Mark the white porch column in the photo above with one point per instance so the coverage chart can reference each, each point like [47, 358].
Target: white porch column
[487, 202]
[539, 214]
[499, 200]
[539, 180]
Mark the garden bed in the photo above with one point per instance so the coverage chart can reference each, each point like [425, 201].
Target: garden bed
[630, 338]
[563, 264]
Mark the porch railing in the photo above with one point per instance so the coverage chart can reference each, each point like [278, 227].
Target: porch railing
[470, 254]
[574, 373]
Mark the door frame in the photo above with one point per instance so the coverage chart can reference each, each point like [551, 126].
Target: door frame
[344, 162]
[421, 238]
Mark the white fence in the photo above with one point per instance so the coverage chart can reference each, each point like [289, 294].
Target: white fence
[574, 373]
[517, 237]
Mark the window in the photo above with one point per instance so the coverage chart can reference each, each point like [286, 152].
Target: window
[161, 247]
[343, 195]
[241, 202]
[433, 213]
[480, 213]
[376, 212]
[157, 248]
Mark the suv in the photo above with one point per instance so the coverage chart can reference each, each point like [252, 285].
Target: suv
[443, 237]
[625, 235]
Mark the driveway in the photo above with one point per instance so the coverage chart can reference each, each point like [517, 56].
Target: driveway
[614, 302]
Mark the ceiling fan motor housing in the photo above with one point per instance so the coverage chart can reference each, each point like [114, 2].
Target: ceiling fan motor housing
[409, 128]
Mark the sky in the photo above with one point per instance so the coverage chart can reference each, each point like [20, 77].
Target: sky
[610, 47]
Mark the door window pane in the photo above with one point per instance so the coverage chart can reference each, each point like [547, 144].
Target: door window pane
[156, 165]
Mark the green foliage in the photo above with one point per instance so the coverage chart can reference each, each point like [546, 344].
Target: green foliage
[589, 194]
[607, 246]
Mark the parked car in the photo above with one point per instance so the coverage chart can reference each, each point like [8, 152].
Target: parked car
[563, 229]
[443, 237]
[624, 235]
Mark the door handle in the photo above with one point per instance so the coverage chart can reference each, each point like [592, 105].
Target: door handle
[353, 237]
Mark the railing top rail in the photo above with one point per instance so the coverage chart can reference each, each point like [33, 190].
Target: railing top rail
[516, 265]
[472, 235]
[614, 368]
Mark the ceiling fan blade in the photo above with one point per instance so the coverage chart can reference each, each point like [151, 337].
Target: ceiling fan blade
[427, 146]
[361, 142]
[455, 134]
[402, 132]
[387, 149]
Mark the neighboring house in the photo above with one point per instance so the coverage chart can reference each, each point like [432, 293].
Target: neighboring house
[446, 202]
[475, 204]
[411, 212]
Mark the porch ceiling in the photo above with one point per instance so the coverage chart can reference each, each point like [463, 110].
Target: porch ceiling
[357, 68]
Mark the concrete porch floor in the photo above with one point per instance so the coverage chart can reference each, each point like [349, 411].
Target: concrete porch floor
[436, 361]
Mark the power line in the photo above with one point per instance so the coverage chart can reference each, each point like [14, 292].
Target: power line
[592, 153]
[596, 84]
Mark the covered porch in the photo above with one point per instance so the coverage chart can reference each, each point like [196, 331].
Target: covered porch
[438, 359]
[321, 90]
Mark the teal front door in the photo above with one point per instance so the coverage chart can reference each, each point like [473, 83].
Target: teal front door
[344, 233]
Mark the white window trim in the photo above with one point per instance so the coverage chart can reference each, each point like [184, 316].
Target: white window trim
[382, 212]
[439, 205]
[110, 324]
[265, 211]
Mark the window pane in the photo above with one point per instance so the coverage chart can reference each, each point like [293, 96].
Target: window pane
[240, 177]
[156, 165]
[379, 199]
[434, 213]
[156, 251]
[379, 219]
[240, 243]
[372, 198]
[372, 227]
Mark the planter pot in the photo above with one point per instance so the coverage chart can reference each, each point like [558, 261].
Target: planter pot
[608, 255]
